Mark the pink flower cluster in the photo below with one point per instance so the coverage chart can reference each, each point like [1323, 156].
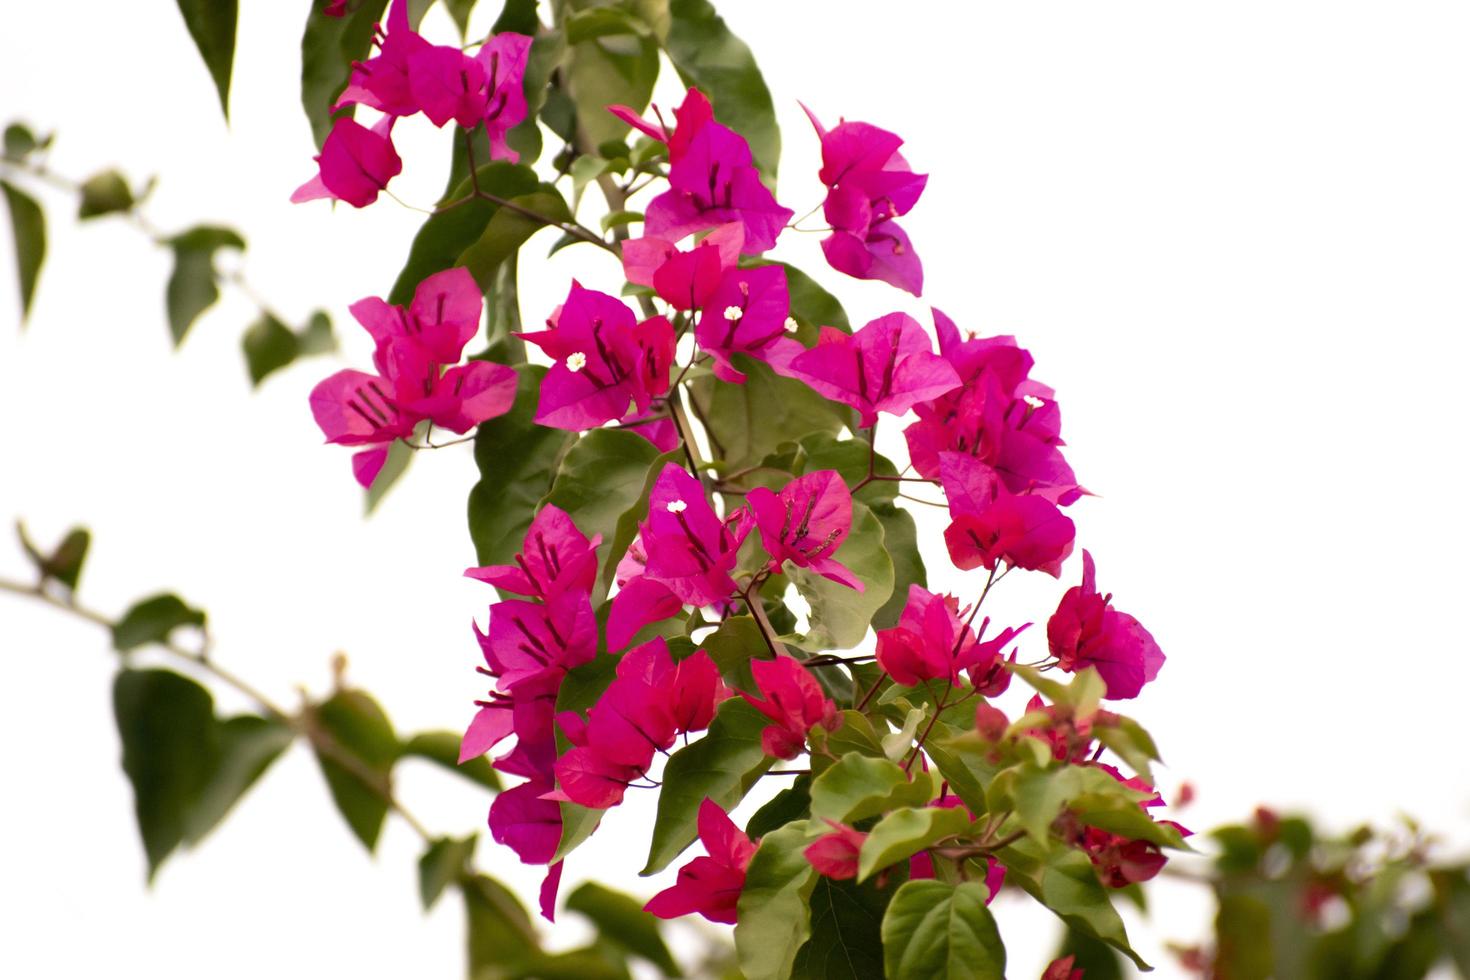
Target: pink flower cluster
[410, 75]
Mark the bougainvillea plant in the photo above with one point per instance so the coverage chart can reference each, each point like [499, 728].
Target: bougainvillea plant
[711, 581]
[710, 586]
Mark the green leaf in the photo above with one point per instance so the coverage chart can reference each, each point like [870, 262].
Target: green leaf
[732, 646]
[846, 942]
[792, 803]
[963, 761]
[622, 921]
[248, 744]
[611, 59]
[460, 10]
[518, 16]
[749, 422]
[601, 480]
[192, 288]
[152, 620]
[839, 615]
[1064, 881]
[64, 564]
[774, 915]
[906, 832]
[859, 786]
[442, 748]
[329, 46]
[517, 460]
[812, 305]
[269, 345]
[499, 932]
[20, 142]
[356, 749]
[722, 766]
[857, 734]
[28, 224]
[901, 541]
[1243, 946]
[850, 458]
[104, 193]
[170, 747]
[400, 455]
[212, 25]
[442, 864]
[508, 229]
[706, 54]
[1130, 742]
[933, 930]
[577, 824]
[1096, 959]
[626, 528]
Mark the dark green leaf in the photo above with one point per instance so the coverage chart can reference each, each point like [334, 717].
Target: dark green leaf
[104, 193]
[812, 305]
[611, 59]
[517, 460]
[192, 288]
[356, 749]
[548, 49]
[626, 529]
[964, 762]
[935, 930]
[839, 615]
[792, 803]
[707, 55]
[774, 916]
[329, 46]
[846, 943]
[269, 345]
[212, 25]
[732, 646]
[152, 620]
[722, 766]
[64, 564]
[460, 11]
[622, 921]
[748, 422]
[28, 224]
[170, 747]
[509, 228]
[518, 16]
[248, 744]
[442, 748]
[1096, 959]
[499, 932]
[850, 458]
[20, 142]
[442, 864]
[901, 541]
[1065, 882]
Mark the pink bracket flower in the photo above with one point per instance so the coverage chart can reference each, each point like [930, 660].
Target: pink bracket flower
[1086, 631]
[794, 701]
[355, 164]
[711, 885]
[991, 525]
[806, 523]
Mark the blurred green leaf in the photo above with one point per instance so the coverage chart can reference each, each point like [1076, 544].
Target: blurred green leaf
[104, 193]
[499, 933]
[192, 288]
[20, 142]
[64, 563]
[774, 914]
[792, 803]
[707, 55]
[935, 930]
[443, 863]
[361, 782]
[1065, 882]
[212, 25]
[28, 224]
[248, 744]
[442, 748]
[722, 766]
[329, 46]
[170, 747]
[622, 921]
[612, 58]
[459, 11]
[518, 16]
[270, 345]
[152, 620]
[517, 460]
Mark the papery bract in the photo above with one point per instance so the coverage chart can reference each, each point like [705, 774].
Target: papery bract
[806, 523]
[503, 58]
[712, 183]
[690, 116]
[887, 366]
[1061, 969]
[794, 701]
[684, 279]
[748, 313]
[382, 81]
[992, 525]
[555, 558]
[1086, 631]
[710, 885]
[835, 854]
[355, 164]
[445, 83]
[933, 641]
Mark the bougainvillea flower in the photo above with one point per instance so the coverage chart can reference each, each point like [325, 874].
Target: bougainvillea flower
[355, 164]
[655, 425]
[1061, 969]
[887, 366]
[605, 361]
[794, 701]
[525, 822]
[806, 523]
[555, 557]
[382, 81]
[1086, 631]
[529, 641]
[503, 59]
[835, 854]
[685, 552]
[447, 84]
[546, 896]
[684, 279]
[355, 408]
[713, 183]
[933, 641]
[869, 184]
[990, 524]
[335, 8]
[689, 117]
[710, 885]
[443, 317]
[748, 313]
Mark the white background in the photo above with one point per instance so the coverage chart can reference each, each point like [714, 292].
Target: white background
[1234, 237]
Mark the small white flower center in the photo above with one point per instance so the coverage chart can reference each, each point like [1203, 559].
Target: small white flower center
[791, 324]
[1033, 401]
[676, 506]
[576, 361]
[733, 313]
